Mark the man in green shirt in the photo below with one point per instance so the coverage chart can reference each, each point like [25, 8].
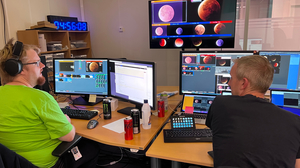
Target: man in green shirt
[31, 122]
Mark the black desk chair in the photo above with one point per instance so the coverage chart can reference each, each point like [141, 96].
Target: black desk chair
[10, 159]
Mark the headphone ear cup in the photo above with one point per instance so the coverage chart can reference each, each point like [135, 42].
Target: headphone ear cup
[13, 67]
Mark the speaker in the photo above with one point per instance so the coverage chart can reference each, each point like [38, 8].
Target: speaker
[14, 66]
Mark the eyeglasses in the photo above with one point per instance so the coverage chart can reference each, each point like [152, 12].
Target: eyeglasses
[37, 63]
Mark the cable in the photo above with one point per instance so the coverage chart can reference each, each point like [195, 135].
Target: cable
[113, 162]
[4, 25]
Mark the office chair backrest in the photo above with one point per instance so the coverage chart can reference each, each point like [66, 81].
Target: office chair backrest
[9, 158]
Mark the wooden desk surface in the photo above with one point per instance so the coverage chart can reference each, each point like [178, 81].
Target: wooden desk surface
[140, 141]
[193, 153]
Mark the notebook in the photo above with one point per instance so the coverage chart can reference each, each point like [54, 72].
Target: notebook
[286, 99]
[196, 105]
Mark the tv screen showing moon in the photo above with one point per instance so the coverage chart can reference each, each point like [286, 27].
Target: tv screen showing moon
[192, 24]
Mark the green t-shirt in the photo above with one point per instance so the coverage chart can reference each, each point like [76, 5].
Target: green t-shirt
[31, 123]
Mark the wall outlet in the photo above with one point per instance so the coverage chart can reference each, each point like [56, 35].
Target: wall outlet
[121, 29]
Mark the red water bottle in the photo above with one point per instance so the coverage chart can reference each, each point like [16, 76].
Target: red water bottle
[128, 128]
[161, 108]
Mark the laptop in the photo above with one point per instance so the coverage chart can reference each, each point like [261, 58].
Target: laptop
[196, 105]
[286, 99]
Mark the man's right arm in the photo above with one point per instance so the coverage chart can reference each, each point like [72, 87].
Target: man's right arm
[70, 136]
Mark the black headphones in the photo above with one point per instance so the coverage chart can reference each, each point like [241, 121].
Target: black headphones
[14, 66]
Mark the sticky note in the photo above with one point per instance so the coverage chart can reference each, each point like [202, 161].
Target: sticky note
[92, 98]
[189, 109]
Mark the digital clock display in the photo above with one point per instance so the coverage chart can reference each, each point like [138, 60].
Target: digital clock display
[75, 26]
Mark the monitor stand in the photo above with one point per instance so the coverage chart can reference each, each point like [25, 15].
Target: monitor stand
[127, 110]
[84, 100]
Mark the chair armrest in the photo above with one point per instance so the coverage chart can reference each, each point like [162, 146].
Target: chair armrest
[65, 146]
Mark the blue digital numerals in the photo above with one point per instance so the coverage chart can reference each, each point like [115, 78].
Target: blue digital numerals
[79, 26]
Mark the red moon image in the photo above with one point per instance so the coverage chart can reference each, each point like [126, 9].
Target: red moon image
[207, 60]
[222, 62]
[209, 10]
[199, 29]
[188, 60]
[159, 31]
[218, 27]
[179, 42]
[166, 13]
[197, 42]
[94, 67]
[201, 67]
[276, 65]
[162, 42]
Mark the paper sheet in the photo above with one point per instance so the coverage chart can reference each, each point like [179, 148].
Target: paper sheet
[117, 126]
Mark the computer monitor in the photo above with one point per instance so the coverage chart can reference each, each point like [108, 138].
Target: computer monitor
[286, 68]
[192, 24]
[286, 99]
[206, 72]
[81, 76]
[133, 81]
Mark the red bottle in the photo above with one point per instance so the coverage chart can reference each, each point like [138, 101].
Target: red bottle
[128, 128]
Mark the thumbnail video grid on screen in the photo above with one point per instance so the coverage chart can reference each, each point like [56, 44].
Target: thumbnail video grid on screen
[133, 81]
[81, 76]
[286, 68]
[207, 73]
[192, 23]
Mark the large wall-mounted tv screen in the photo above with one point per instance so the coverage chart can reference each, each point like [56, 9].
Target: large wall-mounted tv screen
[192, 23]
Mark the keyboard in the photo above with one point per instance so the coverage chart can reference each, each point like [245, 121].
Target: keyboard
[199, 118]
[187, 135]
[79, 114]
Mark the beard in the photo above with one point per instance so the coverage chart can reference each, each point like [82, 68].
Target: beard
[41, 81]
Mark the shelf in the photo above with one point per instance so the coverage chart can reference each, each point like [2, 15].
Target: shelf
[56, 51]
[83, 48]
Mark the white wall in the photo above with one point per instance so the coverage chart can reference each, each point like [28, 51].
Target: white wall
[21, 14]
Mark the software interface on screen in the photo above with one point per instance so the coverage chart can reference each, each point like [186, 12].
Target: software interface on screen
[286, 98]
[286, 68]
[81, 76]
[132, 81]
[192, 24]
[207, 73]
[197, 103]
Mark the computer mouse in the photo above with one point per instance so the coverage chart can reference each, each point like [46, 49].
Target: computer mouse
[92, 124]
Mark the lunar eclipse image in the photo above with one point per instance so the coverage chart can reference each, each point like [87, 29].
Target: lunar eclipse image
[159, 31]
[219, 42]
[276, 65]
[219, 27]
[188, 60]
[207, 60]
[197, 42]
[93, 67]
[179, 42]
[166, 13]
[199, 29]
[223, 62]
[162, 42]
[224, 80]
[179, 31]
[209, 10]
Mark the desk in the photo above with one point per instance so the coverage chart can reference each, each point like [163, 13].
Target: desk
[193, 153]
[140, 141]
